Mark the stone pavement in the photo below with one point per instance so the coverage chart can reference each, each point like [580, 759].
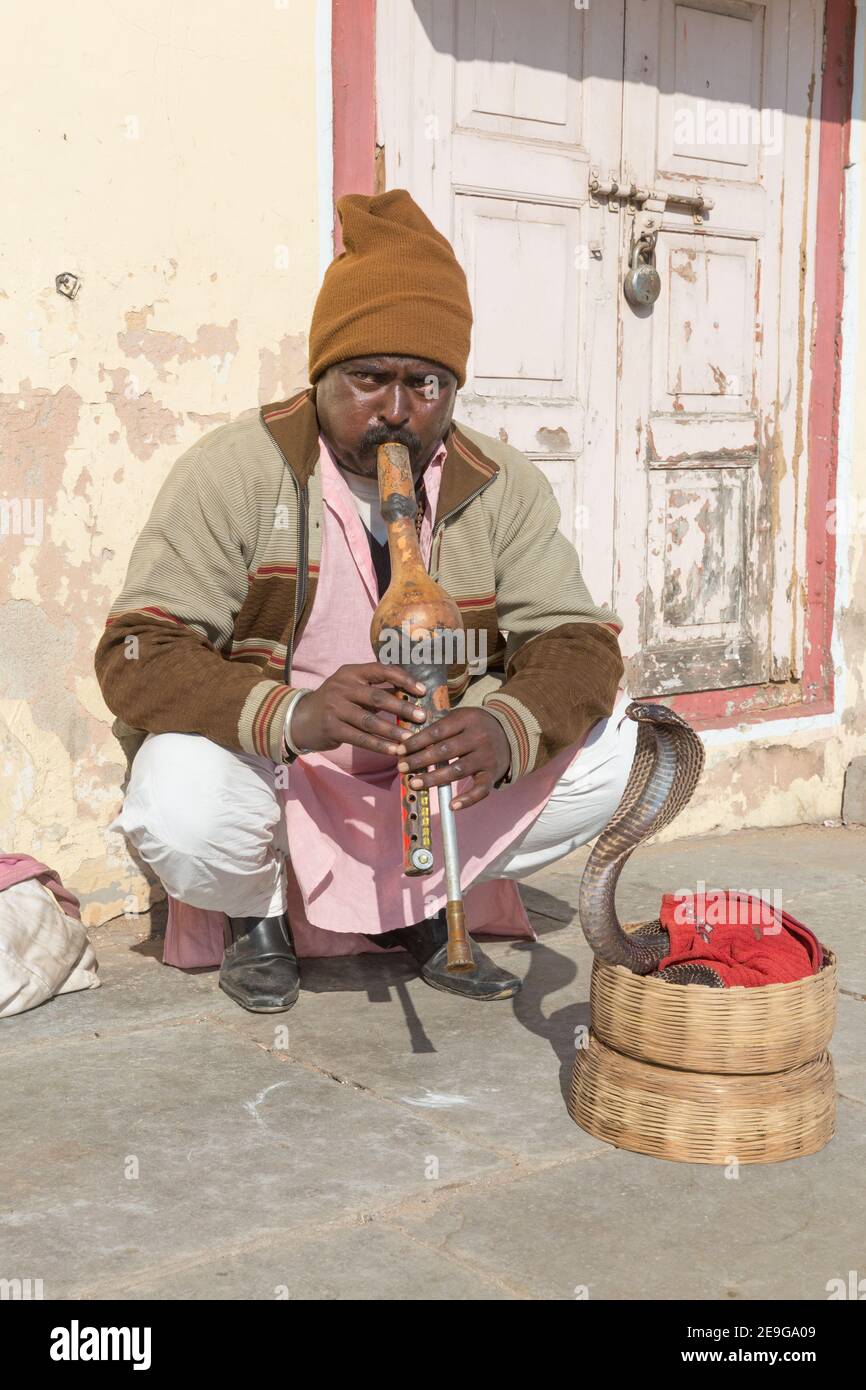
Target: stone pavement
[387, 1141]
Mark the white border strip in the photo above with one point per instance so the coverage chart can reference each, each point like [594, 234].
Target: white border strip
[324, 134]
[851, 295]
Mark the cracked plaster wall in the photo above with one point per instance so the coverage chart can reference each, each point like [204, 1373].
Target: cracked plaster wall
[166, 155]
[169, 161]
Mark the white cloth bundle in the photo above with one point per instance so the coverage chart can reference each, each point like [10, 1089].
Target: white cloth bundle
[43, 951]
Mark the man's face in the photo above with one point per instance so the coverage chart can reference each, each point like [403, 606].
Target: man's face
[367, 401]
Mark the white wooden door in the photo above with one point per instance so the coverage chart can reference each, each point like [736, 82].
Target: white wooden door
[492, 113]
[705, 494]
[542, 139]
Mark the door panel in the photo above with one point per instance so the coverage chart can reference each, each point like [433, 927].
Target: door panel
[705, 325]
[699, 540]
[542, 140]
[510, 78]
[694, 483]
[486, 120]
[510, 240]
[704, 611]
[710, 74]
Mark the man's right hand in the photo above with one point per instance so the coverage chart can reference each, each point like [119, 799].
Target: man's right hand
[348, 708]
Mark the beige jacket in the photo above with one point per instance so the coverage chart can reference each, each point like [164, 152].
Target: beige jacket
[224, 574]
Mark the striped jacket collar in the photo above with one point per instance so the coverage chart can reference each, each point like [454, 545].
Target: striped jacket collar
[294, 427]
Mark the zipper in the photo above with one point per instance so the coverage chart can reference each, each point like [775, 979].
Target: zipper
[301, 585]
[454, 510]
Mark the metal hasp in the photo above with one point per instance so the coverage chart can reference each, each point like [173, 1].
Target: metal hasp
[618, 190]
[695, 203]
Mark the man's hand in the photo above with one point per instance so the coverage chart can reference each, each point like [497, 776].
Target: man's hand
[474, 737]
[348, 708]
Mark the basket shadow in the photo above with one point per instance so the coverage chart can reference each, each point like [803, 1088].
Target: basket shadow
[550, 972]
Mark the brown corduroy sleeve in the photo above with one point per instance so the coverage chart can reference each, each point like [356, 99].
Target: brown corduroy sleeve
[559, 685]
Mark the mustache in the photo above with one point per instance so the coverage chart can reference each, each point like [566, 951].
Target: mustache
[381, 434]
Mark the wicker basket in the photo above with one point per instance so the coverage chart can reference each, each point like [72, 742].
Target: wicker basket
[703, 1118]
[689, 1072]
[767, 1029]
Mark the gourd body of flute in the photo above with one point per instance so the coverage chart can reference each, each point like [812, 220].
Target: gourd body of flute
[417, 615]
[413, 602]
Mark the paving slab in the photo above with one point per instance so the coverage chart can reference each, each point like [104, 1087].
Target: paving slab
[838, 918]
[790, 861]
[848, 1049]
[360, 1264]
[137, 990]
[498, 1069]
[384, 1140]
[625, 1226]
[789, 858]
[228, 1143]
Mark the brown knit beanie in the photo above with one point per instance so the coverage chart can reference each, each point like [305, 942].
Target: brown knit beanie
[396, 288]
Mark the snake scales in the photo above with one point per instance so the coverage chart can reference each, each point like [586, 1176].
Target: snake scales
[668, 761]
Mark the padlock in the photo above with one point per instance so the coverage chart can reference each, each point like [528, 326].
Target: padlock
[642, 283]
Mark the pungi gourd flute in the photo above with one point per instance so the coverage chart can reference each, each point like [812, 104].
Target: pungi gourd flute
[417, 614]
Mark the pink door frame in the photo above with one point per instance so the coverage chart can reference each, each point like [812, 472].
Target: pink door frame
[354, 97]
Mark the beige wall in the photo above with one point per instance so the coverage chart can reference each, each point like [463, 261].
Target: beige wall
[165, 153]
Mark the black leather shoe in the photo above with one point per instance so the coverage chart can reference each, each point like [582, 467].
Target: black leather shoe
[427, 944]
[260, 969]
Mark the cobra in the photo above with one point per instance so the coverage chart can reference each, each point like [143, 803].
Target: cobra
[668, 761]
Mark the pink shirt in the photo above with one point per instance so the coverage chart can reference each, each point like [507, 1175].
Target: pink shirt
[342, 807]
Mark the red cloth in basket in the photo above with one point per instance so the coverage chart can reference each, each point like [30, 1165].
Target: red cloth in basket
[743, 938]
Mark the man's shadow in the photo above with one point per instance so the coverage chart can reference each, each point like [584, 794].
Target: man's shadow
[380, 974]
[549, 972]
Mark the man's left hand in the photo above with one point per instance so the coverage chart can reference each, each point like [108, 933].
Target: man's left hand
[471, 736]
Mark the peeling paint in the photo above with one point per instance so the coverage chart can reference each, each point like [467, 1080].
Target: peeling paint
[184, 320]
[720, 377]
[553, 439]
[209, 422]
[213, 342]
[147, 425]
[683, 267]
[692, 456]
[284, 371]
[168, 349]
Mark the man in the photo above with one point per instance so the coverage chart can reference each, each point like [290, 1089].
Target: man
[238, 655]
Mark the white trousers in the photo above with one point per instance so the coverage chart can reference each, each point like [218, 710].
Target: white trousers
[208, 822]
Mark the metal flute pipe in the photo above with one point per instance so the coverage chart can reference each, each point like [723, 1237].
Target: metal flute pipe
[459, 958]
[449, 846]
